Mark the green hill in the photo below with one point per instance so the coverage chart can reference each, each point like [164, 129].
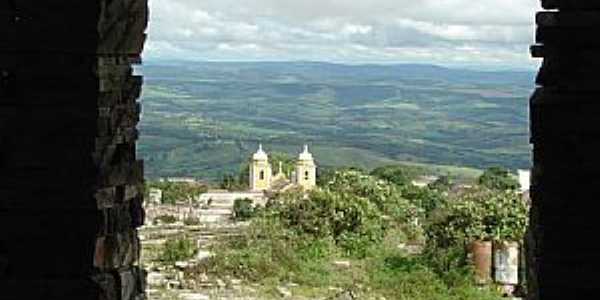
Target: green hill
[202, 119]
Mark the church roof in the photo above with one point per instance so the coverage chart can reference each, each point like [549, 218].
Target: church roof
[260, 154]
[305, 155]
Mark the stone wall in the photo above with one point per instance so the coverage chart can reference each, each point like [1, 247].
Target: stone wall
[564, 126]
[70, 182]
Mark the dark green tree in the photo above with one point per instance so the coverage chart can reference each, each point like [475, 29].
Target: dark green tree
[399, 175]
[288, 162]
[442, 184]
[229, 182]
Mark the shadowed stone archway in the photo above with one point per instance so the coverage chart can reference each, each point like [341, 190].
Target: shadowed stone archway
[565, 112]
[70, 183]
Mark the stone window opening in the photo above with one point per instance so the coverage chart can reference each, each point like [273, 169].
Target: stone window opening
[72, 256]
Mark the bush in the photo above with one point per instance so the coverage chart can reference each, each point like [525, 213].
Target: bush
[397, 174]
[165, 219]
[356, 218]
[191, 221]
[479, 214]
[243, 209]
[352, 208]
[178, 250]
[353, 222]
[497, 178]
[426, 199]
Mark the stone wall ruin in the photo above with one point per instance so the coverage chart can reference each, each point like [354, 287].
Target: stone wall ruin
[564, 132]
[70, 183]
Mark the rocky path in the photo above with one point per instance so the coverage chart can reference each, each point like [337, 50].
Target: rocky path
[169, 282]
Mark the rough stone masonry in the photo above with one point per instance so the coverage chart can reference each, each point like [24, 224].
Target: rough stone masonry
[70, 182]
[563, 252]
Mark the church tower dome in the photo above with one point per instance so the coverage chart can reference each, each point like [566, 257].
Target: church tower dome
[305, 155]
[260, 154]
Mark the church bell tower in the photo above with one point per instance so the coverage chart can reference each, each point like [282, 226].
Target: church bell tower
[306, 170]
[260, 171]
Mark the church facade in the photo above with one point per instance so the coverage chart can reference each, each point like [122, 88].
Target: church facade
[262, 177]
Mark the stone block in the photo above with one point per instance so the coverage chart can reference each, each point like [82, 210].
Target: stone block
[51, 288]
[116, 251]
[568, 19]
[128, 284]
[577, 74]
[107, 285]
[122, 174]
[556, 36]
[571, 4]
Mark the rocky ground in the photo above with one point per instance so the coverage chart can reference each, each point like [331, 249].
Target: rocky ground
[168, 281]
[181, 280]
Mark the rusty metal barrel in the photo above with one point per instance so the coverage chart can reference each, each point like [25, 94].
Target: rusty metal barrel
[481, 256]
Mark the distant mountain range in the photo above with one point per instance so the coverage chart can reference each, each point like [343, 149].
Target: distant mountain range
[203, 119]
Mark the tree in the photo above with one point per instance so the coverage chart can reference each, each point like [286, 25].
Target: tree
[228, 182]
[442, 184]
[401, 175]
[288, 162]
[353, 208]
[244, 175]
[498, 178]
[479, 214]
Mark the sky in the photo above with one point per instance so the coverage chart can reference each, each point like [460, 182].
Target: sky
[494, 33]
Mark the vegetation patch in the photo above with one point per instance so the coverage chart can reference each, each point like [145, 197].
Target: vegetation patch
[369, 235]
[178, 249]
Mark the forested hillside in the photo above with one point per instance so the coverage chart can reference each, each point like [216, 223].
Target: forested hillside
[203, 119]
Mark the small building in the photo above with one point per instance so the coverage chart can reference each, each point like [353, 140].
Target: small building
[524, 180]
[179, 180]
[424, 181]
[228, 198]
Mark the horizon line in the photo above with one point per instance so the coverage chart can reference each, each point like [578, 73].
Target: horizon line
[473, 66]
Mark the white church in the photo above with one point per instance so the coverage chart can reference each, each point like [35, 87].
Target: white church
[262, 177]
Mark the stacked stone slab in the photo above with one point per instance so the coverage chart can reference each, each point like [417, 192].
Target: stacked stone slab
[70, 183]
[566, 136]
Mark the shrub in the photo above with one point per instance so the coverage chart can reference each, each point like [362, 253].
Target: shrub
[352, 208]
[479, 214]
[397, 174]
[498, 178]
[177, 250]
[165, 219]
[243, 209]
[191, 221]
[353, 222]
[298, 237]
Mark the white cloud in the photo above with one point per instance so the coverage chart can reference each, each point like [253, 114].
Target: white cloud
[350, 29]
[437, 31]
